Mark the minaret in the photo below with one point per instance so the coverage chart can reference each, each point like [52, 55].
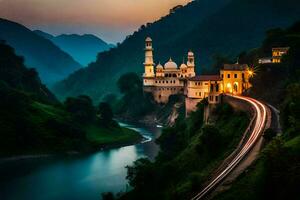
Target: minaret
[149, 64]
[191, 64]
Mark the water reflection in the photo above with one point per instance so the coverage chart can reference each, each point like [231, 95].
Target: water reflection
[84, 177]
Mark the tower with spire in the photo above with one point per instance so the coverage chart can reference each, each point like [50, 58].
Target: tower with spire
[149, 63]
[191, 64]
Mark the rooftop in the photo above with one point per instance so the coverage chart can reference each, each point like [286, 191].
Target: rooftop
[235, 67]
[281, 48]
[206, 78]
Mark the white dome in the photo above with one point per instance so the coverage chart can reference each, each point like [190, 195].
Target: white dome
[183, 66]
[190, 53]
[159, 66]
[148, 39]
[170, 65]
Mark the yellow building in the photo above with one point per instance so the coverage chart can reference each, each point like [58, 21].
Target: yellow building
[235, 78]
[277, 54]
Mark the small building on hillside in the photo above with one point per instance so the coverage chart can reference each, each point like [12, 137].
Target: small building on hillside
[277, 54]
[266, 60]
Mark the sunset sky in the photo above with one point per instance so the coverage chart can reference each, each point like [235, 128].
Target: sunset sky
[111, 20]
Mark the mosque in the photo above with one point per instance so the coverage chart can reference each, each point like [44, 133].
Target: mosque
[164, 81]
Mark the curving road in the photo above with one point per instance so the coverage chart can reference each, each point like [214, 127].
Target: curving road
[258, 128]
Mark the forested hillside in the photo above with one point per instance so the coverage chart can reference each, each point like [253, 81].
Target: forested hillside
[207, 27]
[51, 62]
[33, 121]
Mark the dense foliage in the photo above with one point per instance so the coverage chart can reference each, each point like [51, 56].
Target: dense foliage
[134, 103]
[190, 151]
[219, 27]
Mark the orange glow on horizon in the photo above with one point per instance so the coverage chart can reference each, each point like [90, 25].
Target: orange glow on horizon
[117, 15]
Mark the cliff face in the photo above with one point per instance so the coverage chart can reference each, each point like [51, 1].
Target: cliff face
[165, 115]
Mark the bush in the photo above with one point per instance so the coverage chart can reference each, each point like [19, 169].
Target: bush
[107, 196]
[269, 134]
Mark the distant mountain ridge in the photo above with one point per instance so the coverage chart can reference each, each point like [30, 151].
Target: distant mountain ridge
[83, 48]
[51, 62]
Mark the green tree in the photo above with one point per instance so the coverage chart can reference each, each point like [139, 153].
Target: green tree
[107, 196]
[105, 112]
[81, 108]
[211, 139]
[129, 82]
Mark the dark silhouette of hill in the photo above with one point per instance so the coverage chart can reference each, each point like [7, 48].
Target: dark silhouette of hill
[206, 27]
[83, 48]
[51, 62]
[15, 76]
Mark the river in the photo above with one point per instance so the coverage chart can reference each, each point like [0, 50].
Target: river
[75, 177]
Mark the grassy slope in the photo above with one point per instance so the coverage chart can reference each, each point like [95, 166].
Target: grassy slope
[111, 136]
[190, 163]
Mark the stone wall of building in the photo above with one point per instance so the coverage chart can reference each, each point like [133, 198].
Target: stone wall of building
[162, 94]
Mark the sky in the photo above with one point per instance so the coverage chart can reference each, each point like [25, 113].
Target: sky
[111, 20]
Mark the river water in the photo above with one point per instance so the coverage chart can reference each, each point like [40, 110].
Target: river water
[74, 177]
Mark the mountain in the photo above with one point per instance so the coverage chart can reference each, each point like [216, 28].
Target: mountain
[83, 48]
[51, 62]
[207, 27]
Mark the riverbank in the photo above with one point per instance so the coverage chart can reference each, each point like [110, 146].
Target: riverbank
[79, 176]
[99, 138]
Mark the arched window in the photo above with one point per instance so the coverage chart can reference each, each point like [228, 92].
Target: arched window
[235, 87]
[217, 87]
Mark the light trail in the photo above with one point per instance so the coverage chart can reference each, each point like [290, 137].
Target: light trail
[261, 115]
